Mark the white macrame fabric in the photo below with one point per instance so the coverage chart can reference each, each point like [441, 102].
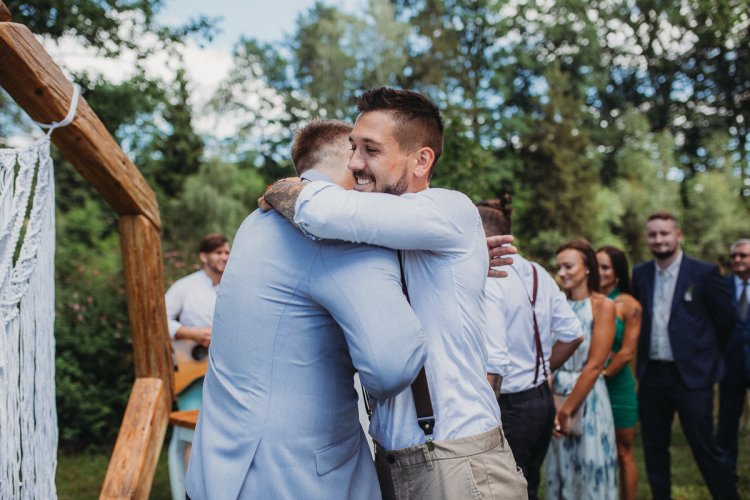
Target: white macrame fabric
[28, 418]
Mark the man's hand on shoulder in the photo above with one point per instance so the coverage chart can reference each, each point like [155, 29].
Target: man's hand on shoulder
[499, 248]
[282, 195]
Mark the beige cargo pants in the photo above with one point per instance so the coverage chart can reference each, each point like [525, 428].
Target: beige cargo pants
[479, 467]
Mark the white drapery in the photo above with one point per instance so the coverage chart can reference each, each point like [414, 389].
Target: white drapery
[28, 418]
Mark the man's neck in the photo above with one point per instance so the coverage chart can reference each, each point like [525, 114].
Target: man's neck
[215, 277]
[665, 263]
[743, 276]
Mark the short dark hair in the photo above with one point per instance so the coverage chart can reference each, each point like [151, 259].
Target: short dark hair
[496, 215]
[417, 119]
[312, 141]
[211, 242]
[663, 215]
[589, 260]
[619, 266]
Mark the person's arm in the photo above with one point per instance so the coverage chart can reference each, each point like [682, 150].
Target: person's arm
[630, 311]
[498, 361]
[561, 351]
[406, 222]
[601, 344]
[362, 292]
[199, 334]
[720, 308]
[174, 299]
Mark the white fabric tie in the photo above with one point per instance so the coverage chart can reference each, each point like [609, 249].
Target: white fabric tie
[71, 112]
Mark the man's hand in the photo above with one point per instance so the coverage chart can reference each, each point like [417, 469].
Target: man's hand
[282, 195]
[198, 334]
[203, 336]
[499, 248]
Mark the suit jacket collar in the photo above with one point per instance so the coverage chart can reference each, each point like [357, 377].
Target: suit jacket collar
[682, 285]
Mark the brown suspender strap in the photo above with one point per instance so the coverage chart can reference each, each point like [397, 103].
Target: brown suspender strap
[420, 390]
[537, 336]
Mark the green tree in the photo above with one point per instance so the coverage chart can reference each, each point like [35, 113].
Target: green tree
[560, 174]
[647, 182]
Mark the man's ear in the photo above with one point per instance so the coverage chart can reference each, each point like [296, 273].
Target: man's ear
[425, 158]
[203, 257]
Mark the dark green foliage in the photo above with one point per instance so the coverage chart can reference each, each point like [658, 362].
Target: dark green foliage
[94, 371]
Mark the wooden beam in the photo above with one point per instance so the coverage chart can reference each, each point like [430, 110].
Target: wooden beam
[133, 463]
[144, 286]
[5, 16]
[38, 85]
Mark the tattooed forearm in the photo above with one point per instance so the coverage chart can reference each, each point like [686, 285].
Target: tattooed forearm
[282, 196]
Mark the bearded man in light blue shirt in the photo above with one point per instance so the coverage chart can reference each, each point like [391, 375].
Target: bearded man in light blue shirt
[294, 319]
[396, 141]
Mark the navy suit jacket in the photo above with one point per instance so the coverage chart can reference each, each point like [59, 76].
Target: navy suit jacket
[737, 352]
[700, 322]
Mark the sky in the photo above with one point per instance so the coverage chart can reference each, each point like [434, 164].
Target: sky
[263, 19]
[206, 65]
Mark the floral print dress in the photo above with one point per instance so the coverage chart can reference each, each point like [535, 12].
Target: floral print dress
[583, 467]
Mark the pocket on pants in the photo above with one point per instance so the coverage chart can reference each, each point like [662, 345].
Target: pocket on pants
[497, 474]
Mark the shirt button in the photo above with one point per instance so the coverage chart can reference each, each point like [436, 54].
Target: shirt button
[391, 459]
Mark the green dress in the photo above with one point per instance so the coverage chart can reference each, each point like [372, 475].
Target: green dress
[621, 386]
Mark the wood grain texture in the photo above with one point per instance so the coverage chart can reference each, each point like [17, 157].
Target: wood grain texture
[186, 418]
[38, 85]
[131, 469]
[144, 288]
[5, 16]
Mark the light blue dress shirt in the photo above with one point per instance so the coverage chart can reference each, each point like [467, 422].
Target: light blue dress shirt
[665, 281]
[445, 263]
[294, 319]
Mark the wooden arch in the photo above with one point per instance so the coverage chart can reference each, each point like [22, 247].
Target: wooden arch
[38, 85]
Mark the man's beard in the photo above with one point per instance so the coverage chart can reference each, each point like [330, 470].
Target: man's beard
[664, 255]
[400, 187]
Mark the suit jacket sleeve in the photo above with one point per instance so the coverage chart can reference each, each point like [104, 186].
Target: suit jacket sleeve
[720, 308]
[361, 289]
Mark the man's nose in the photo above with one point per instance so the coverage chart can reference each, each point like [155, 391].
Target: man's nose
[355, 162]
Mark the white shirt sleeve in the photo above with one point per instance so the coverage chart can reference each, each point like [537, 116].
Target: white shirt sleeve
[173, 300]
[498, 360]
[413, 221]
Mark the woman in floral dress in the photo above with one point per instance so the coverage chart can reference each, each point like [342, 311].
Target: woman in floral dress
[582, 459]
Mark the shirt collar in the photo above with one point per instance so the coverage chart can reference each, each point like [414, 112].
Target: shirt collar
[315, 175]
[738, 282]
[673, 268]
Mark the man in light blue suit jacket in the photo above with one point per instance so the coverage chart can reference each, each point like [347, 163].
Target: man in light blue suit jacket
[294, 319]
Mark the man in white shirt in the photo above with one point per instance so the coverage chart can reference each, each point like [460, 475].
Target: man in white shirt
[396, 141]
[526, 404]
[190, 310]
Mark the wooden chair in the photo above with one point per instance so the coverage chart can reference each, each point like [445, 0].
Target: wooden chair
[182, 435]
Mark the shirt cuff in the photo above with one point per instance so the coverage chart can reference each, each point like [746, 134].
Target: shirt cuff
[308, 192]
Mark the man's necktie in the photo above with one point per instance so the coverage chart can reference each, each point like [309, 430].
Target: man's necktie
[742, 305]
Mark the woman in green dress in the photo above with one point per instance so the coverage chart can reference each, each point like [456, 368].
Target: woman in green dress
[614, 279]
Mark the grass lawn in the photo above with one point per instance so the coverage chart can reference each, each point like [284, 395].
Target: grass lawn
[80, 476]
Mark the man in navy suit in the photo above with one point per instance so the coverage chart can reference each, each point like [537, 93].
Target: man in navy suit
[687, 313]
[735, 383]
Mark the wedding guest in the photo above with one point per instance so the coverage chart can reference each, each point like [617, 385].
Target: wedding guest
[614, 279]
[582, 462]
